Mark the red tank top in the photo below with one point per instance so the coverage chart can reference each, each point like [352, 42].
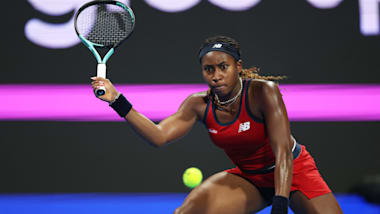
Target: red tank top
[243, 139]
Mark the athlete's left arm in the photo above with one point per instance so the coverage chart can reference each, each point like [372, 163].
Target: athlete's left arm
[278, 129]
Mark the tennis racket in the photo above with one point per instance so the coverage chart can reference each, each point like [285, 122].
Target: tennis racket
[102, 26]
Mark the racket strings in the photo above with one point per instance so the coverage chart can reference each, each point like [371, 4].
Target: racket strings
[106, 25]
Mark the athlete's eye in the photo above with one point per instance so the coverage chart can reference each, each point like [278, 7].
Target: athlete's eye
[223, 66]
[208, 69]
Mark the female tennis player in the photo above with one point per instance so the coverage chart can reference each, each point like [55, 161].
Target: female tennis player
[246, 117]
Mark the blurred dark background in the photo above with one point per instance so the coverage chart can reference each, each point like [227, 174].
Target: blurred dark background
[292, 38]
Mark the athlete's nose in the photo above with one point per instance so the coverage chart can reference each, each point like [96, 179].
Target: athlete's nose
[217, 75]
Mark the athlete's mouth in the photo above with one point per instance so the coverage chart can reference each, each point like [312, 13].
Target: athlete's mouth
[219, 87]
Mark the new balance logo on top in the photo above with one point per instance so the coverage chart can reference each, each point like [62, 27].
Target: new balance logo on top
[244, 126]
[212, 131]
[217, 45]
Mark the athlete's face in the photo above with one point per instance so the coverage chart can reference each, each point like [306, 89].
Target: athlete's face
[221, 72]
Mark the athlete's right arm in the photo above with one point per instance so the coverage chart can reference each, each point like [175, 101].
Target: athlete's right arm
[169, 129]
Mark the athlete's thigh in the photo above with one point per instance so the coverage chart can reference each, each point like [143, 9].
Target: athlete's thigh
[324, 204]
[223, 193]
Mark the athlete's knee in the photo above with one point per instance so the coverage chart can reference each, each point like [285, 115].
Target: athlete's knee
[194, 203]
[187, 208]
[179, 210]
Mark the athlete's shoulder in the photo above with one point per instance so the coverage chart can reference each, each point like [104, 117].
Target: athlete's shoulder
[196, 102]
[264, 93]
[197, 96]
[195, 99]
[201, 94]
[263, 87]
[263, 83]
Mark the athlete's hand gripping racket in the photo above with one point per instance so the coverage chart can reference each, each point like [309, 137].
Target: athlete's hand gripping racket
[103, 24]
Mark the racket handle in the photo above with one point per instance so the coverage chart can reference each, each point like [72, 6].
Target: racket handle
[101, 72]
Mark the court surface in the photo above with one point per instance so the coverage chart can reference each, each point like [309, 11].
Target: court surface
[141, 203]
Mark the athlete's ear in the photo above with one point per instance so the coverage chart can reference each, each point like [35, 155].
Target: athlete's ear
[239, 65]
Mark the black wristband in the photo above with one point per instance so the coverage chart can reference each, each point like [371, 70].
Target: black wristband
[121, 105]
[280, 205]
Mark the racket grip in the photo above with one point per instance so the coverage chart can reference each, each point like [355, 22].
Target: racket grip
[101, 72]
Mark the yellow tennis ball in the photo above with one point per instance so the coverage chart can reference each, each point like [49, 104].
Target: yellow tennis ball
[192, 177]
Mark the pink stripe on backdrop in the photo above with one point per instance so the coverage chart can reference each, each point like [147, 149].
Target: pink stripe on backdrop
[305, 102]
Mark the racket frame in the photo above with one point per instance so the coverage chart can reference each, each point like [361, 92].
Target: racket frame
[101, 68]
